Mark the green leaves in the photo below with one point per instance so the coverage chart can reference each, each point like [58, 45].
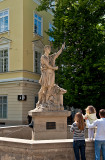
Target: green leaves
[81, 24]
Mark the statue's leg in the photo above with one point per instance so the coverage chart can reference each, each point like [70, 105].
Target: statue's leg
[61, 99]
[41, 95]
[44, 95]
[48, 93]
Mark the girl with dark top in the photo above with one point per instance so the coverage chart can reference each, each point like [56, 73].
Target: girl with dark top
[78, 129]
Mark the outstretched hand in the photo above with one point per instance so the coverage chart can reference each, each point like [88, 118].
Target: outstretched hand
[63, 45]
[56, 68]
[86, 118]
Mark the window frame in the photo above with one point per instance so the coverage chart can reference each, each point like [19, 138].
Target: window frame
[3, 22]
[2, 49]
[39, 71]
[34, 24]
[6, 109]
[51, 39]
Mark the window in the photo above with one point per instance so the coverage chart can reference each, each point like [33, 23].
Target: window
[3, 106]
[37, 57]
[4, 60]
[37, 25]
[51, 29]
[4, 24]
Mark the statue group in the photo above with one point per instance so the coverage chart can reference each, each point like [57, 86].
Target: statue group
[50, 96]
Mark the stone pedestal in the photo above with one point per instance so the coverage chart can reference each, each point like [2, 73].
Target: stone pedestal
[49, 125]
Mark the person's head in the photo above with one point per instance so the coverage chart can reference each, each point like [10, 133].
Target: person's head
[79, 121]
[102, 113]
[47, 49]
[90, 109]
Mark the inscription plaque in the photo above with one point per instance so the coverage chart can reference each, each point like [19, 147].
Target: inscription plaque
[50, 125]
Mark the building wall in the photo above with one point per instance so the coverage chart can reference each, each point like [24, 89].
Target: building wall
[18, 110]
[8, 86]
[14, 111]
[21, 79]
[15, 33]
[31, 90]
[29, 8]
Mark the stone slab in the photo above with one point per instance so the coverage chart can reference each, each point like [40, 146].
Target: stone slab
[20, 149]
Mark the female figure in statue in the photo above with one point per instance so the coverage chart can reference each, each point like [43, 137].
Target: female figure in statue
[48, 68]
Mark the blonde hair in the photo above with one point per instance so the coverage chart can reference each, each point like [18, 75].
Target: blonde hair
[79, 121]
[90, 109]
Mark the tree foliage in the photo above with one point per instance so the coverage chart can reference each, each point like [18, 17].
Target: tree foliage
[81, 24]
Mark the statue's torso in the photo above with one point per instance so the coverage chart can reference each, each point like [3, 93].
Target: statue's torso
[50, 60]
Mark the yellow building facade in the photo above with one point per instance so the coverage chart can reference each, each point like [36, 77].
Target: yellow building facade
[22, 38]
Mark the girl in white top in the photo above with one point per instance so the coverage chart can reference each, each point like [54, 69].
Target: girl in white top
[91, 115]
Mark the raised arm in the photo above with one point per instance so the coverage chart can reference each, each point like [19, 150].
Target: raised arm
[94, 124]
[60, 51]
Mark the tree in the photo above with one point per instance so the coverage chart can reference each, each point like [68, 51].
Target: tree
[81, 24]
